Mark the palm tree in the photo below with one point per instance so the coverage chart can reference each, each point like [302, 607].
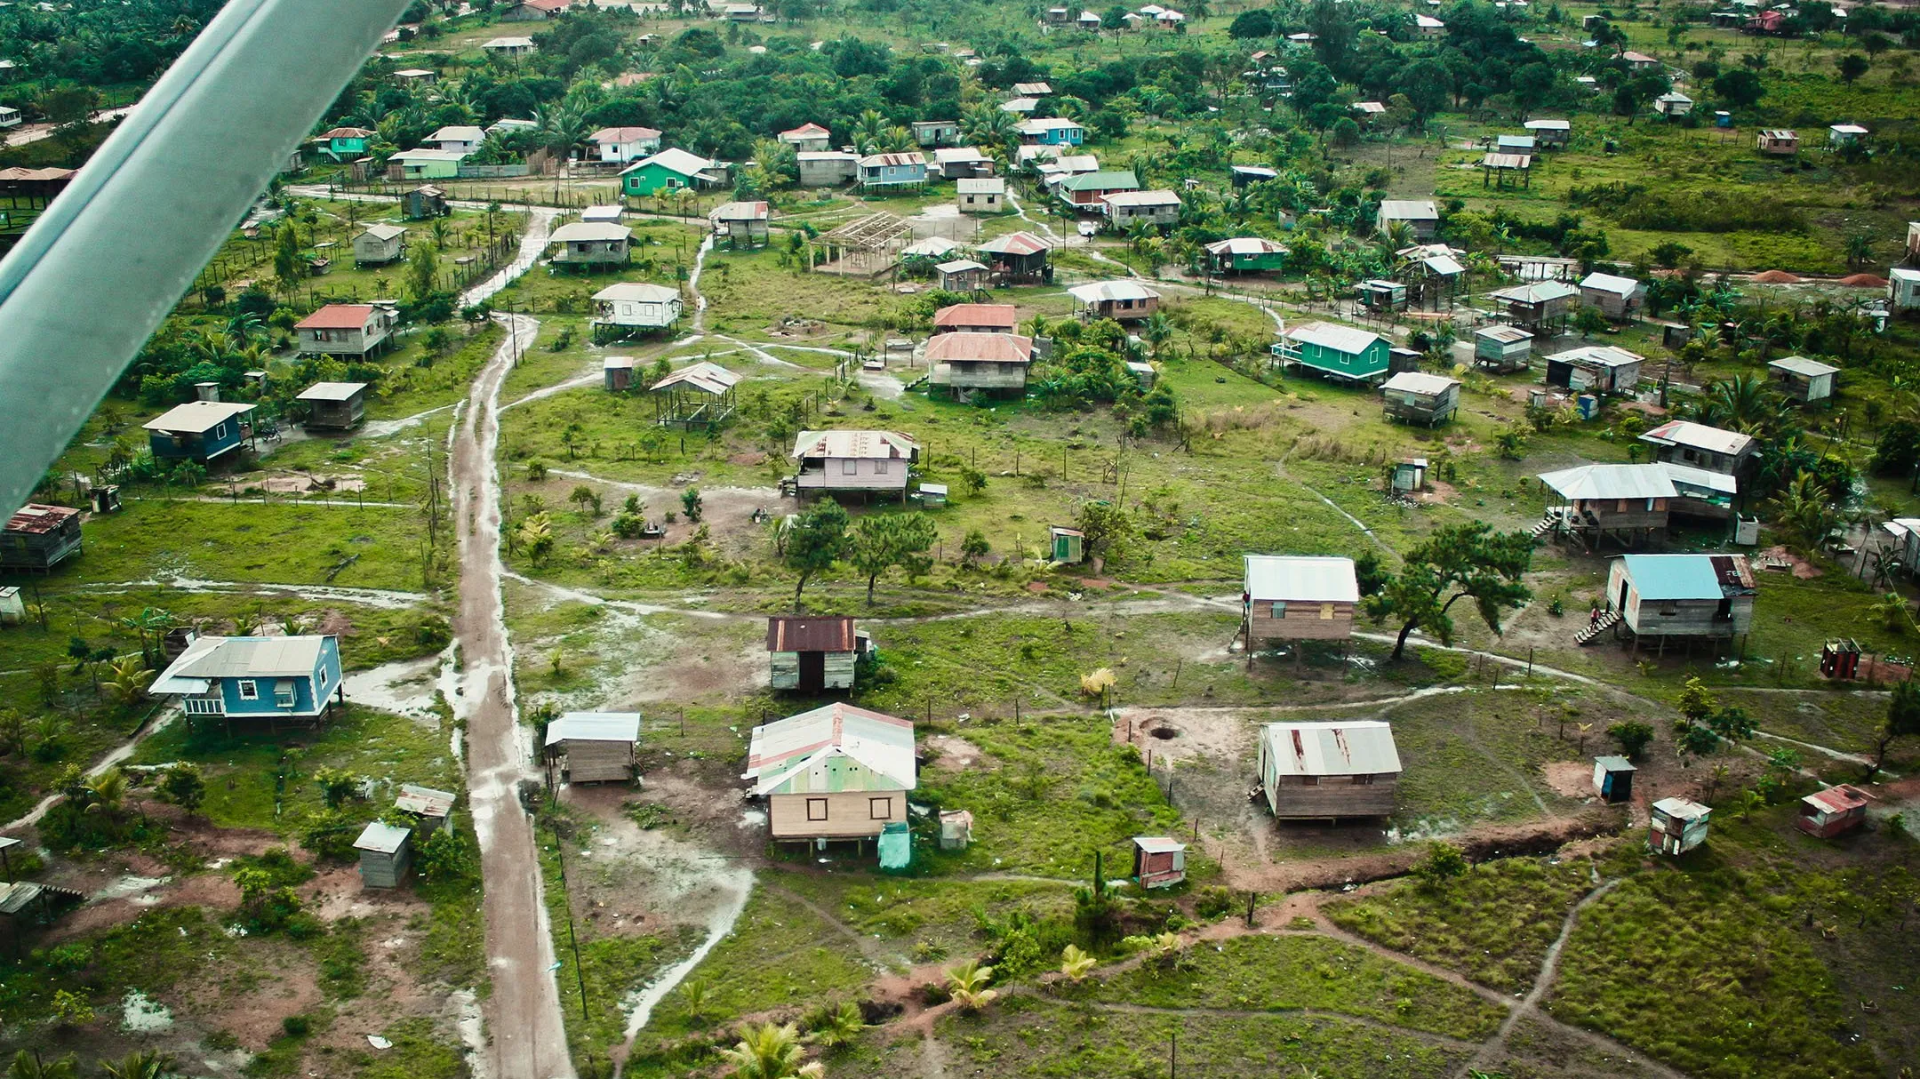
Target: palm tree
[127, 685]
[560, 128]
[869, 132]
[107, 793]
[30, 1065]
[1742, 403]
[1859, 248]
[142, 1064]
[968, 985]
[770, 1052]
[1157, 332]
[1804, 509]
[987, 126]
[841, 1026]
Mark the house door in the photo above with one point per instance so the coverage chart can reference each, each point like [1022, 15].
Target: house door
[1623, 598]
[813, 671]
[1060, 550]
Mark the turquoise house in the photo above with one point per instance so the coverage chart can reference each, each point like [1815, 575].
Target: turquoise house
[1052, 131]
[672, 169]
[1246, 254]
[197, 431]
[270, 678]
[346, 143]
[1340, 351]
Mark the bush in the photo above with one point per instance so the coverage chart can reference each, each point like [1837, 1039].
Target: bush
[1214, 902]
[296, 1026]
[1633, 736]
[1443, 863]
[329, 834]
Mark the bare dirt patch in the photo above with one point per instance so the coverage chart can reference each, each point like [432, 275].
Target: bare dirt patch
[1571, 779]
[955, 754]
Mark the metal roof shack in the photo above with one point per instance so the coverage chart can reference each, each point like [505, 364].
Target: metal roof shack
[796, 634]
[1301, 578]
[1659, 577]
[382, 838]
[865, 445]
[425, 801]
[1610, 481]
[35, 519]
[1677, 825]
[1015, 243]
[331, 391]
[1698, 436]
[595, 727]
[1419, 382]
[1329, 769]
[1833, 811]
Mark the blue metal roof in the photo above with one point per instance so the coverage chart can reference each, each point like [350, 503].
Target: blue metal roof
[1674, 576]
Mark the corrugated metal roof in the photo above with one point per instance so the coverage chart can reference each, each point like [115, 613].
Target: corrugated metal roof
[1348, 339]
[1158, 844]
[337, 316]
[1615, 764]
[1141, 198]
[674, 159]
[1108, 180]
[1673, 576]
[1537, 292]
[1548, 125]
[1247, 245]
[1841, 799]
[1334, 748]
[892, 161]
[740, 211]
[35, 519]
[1681, 809]
[1408, 209]
[1444, 265]
[244, 657]
[595, 727]
[425, 800]
[1689, 476]
[1014, 243]
[1598, 356]
[789, 633]
[1506, 335]
[1301, 579]
[959, 266]
[382, 838]
[1420, 382]
[584, 231]
[866, 445]
[458, 133]
[1108, 291]
[629, 134]
[705, 375]
[635, 292]
[1697, 436]
[384, 232]
[1800, 365]
[977, 314]
[932, 247]
[1610, 481]
[980, 348]
[331, 391]
[1506, 161]
[1614, 283]
[881, 744]
[980, 185]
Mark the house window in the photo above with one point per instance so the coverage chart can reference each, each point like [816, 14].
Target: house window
[1326, 612]
[249, 690]
[880, 468]
[220, 431]
[1279, 610]
[816, 809]
[283, 696]
[1309, 781]
[849, 467]
[1364, 780]
[880, 808]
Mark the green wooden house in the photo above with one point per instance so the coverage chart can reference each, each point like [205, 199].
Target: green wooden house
[671, 169]
[346, 143]
[1340, 351]
[1246, 254]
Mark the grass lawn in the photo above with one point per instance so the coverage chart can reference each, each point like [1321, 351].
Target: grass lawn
[928, 915]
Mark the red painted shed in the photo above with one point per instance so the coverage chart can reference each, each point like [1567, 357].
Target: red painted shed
[1830, 812]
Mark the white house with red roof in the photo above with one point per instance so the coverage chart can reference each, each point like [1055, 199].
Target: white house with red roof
[808, 137]
[346, 329]
[619, 145]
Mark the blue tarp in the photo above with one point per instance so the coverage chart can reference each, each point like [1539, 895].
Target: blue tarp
[896, 846]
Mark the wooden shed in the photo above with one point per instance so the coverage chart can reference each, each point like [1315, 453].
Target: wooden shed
[39, 537]
[617, 373]
[1595, 369]
[1066, 545]
[1326, 770]
[335, 406]
[1801, 379]
[1379, 295]
[432, 809]
[835, 772]
[1418, 397]
[1502, 349]
[594, 747]
[1830, 812]
[812, 654]
[1618, 298]
[1540, 306]
[1696, 444]
[1296, 597]
[1626, 502]
[1613, 779]
[385, 850]
[1677, 825]
[1158, 861]
[380, 244]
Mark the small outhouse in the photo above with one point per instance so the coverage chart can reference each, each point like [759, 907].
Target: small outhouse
[1420, 397]
[594, 747]
[956, 829]
[1158, 861]
[1066, 545]
[1678, 825]
[812, 654]
[384, 853]
[433, 809]
[618, 371]
[1830, 812]
[334, 406]
[1802, 380]
[13, 611]
[1502, 349]
[1613, 779]
[1409, 475]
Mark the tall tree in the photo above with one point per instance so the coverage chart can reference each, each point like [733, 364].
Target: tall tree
[880, 542]
[1902, 721]
[817, 540]
[1459, 561]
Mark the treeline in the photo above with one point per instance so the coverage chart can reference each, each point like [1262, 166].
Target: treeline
[95, 43]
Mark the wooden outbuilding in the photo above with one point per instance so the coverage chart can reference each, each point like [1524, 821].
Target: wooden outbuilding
[1628, 503]
[1158, 861]
[1696, 444]
[698, 395]
[1329, 770]
[590, 245]
[1542, 307]
[1298, 597]
[852, 460]
[741, 224]
[1677, 825]
[1777, 142]
[985, 362]
[812, 655]
[385, 852]
[334, 406]
[617, 373]
[961, 275]
[1830, 812]
[1618, 298]
[424, 202]
[1067, 546]
[1502, 349]
[39, 537]
[1018, 258]
[1419, 397]
[1690, 597]
[1420, 216]
[594, 747]
[1613, 779]
[1379, 295]
[834, 773]
[378, 245]
[432, 810]
[1597, 369]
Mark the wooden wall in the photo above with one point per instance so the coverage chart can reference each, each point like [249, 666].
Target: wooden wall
[849, 814]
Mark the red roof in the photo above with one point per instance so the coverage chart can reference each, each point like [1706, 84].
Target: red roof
[1015, 243]
[37, 519]
[809, 634]
[547, 5]
[337, 316]
[349, 133]
[980, 348]
[804, 130]
[977, 314]
[623, 134]
[1841, 799]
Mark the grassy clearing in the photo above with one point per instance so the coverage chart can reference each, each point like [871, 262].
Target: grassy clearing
[1265, 973]
[1475, 757]
[938, 913]
[1493, 925]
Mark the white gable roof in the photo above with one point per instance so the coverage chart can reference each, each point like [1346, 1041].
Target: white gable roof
[1337, 748]
[1301, 578]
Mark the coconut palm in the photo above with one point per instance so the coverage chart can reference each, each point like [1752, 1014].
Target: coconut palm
[987, 126]
[127, 685]
[560, 128]
[869, 132]
[769, 1052]
[967, 983]
[1742, 403]
[107, 793]
[31, 1065]
[841, 1026]
[142, 1064]
[1804, 510]
[1157, 331]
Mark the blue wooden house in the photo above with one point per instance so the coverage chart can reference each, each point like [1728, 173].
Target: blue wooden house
[198, 431]
[276, 679]
[893, 170]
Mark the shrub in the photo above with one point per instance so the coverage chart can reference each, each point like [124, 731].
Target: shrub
[1443, 863]
[1633, 736]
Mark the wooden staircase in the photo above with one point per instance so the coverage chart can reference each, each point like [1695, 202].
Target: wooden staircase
[1552, 520]
[1595, 629]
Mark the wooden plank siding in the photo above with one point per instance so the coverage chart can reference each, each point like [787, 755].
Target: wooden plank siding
[1300, 621]
[1328, 797]
[834, 815]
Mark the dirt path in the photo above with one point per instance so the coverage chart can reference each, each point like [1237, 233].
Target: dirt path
[528, 1038]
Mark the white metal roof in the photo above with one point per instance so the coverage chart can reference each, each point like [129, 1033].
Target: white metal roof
[635, 292]
[599, 214]
[1301, 579]
[1606, 282]
[1159, 844]
[196, 417]
[595, 727]
[983, 185]
[1246, 245]
[1141, 198]
[1548, 125]
[1106, 291]
[585, 231]
[931, 247]
[1419, 382]
[1506, 335]
[1800, 365]
[1689, 476]
[879, 742]
[331, 391]
[875, 445]
[1598, 356]
[1681, 809]
[959, 266]
[208, 658]
[1348, 339]
[1536, 292]
[384, 232]
[458, 133]
[425, 800]
[1408, 209]
[674, 159]
[1697, 436]
[705, 375]
[1331, 748]
[382, 838]
[1611, 481]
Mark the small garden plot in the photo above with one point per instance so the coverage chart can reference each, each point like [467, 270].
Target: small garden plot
[780, 957]
[1294, 973]
[1047, 795]
[1494, 924]
[1719, 946]
[1029, 1036]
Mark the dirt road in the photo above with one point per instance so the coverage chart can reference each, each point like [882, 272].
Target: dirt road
[528, 1037]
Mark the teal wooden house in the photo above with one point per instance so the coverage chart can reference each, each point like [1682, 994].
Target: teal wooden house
[198, 431]
[672, 169]
[261, 678]
[1338, 351]
[1246, 254]
[346, 143]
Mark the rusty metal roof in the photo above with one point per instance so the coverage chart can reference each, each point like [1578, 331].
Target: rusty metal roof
[796, 634]
[1841, 799]
[36, 519]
